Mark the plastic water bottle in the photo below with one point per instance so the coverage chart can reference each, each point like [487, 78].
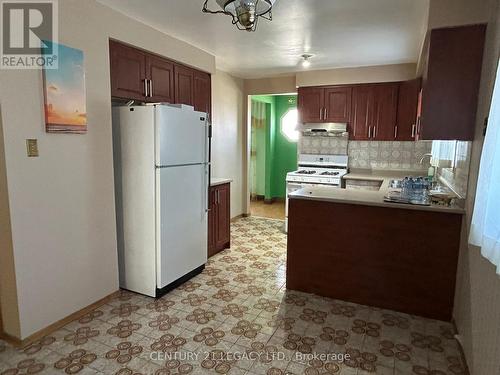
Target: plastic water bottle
[405, 188]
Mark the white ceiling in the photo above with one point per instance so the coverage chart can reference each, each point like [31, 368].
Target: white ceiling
[339, 33]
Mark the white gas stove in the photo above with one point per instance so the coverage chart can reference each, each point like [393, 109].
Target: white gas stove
[319, 169]
[325, 170]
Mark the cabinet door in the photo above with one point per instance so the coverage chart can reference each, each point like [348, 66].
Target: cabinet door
[406, 122]
[202, 92]
[450, 92]
[223, 216]
[363, 108]
[161, 73]
[128, 72]
[184, 85]
[311, 103]
[212, 217]
[386, 98]
[338, 104]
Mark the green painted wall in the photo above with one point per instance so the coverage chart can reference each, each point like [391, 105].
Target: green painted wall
[280, 154]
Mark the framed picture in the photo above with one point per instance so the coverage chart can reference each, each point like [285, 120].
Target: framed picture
[64, 93]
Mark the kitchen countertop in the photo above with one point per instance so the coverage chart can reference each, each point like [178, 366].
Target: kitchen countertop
[367, 197]
[214, 181]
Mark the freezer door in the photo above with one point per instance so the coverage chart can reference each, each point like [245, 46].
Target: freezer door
[181, 221]
[182, 136]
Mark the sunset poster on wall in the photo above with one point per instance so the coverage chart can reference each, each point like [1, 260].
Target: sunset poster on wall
[64, 91]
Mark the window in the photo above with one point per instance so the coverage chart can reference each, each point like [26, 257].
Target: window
[289, 125]
[485, 228]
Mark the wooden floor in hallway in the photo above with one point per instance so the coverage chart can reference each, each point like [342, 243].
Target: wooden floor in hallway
[275, 210]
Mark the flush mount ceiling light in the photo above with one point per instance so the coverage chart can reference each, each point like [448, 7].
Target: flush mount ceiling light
[245, 13]
[305, 60]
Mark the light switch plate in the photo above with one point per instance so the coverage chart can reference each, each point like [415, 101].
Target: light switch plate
[32, 147]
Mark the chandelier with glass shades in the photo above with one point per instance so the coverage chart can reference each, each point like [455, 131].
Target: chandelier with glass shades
[245, 13]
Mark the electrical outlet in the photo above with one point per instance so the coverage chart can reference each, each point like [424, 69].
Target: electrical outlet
[32, 148]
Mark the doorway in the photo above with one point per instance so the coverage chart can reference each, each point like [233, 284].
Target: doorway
[273, 152]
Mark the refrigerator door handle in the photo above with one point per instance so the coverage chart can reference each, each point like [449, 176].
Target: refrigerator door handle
[208, 136]
[206, 190]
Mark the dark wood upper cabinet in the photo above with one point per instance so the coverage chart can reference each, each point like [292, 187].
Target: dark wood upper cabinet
[184, 85]
[128, 72]
[337, 104]
[160, 72]
[374, 108]
[310, 104]
[451, 84]
[202, 94]
[406, 122]
[363, 112]
[146, 77]
[325, 104]
[386, 102]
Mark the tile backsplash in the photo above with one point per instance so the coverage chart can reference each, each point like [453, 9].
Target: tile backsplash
[393, 155]
[323, 145]
[372, 154]
[388, 155]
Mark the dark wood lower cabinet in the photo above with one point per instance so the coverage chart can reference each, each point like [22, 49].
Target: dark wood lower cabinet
[392, 258]
[219, 219]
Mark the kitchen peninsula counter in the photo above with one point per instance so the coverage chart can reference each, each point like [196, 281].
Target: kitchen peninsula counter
[369, 197]
[353, 246]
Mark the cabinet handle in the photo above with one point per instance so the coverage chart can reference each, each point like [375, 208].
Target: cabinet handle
[321, 113]
[374, 132]
[326, 113]
[150, 88]
[146, 88]
[369, 132]
[395, 132]
[413, 129]
[218, 197]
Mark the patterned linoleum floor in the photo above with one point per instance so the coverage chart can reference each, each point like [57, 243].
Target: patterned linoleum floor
[237, 318]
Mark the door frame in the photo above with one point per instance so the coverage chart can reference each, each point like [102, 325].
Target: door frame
[247, 135]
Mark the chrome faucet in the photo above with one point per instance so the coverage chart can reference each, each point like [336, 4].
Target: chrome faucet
[424, 156]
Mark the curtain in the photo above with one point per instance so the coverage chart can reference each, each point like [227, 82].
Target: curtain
[258, 126]
[485, 228]
[443, 153]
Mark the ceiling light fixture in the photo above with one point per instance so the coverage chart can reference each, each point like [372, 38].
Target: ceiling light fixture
[305, 60]
[245, 13]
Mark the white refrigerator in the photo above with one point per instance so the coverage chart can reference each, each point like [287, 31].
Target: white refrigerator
[161, 161]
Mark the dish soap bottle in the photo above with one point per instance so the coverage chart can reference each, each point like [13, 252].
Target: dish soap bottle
[430, 173]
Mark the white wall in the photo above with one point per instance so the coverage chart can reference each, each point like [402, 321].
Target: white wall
[362, 74]
[271, 85]
[477, 299]
[62, 203]
[228, 136]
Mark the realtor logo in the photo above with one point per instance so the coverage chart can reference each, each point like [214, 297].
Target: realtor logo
[26, 25]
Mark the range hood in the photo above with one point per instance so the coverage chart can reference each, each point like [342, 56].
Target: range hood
[328, 129]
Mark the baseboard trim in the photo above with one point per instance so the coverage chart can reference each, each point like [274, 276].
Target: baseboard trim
[459, 339]
[18, 343]
[239, 217]
[273, 200]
